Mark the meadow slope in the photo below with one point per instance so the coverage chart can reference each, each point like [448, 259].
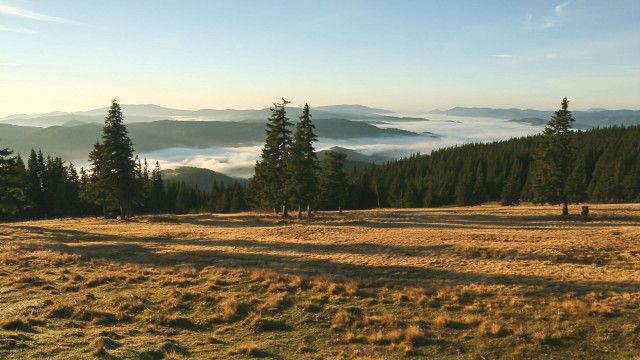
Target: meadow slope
[459, 282]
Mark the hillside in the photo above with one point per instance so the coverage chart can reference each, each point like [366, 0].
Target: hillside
[75, 142]
[606, 169]
[202, 178]
[355, 160]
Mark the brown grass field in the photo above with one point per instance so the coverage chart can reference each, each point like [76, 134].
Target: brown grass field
[480, 282]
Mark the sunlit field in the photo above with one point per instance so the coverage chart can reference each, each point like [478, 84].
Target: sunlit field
[459, 282]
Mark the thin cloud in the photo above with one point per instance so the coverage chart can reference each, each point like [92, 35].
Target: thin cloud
[556, 17]
[503, 56]
[559, 9]
[16, 30]
[28, 14]
[9, 64]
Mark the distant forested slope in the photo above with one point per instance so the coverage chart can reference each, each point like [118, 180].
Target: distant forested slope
[607, 168]
[75, 142]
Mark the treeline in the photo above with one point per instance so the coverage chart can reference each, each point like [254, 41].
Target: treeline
[118, 183]
[605, 168]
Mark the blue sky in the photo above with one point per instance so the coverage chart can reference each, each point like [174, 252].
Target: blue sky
[403, 55]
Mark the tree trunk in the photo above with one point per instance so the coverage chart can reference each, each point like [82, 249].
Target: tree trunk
[340, 209]
[308, 210]
[285, 211]
[565, 208]
[299, 211]
[122, 214]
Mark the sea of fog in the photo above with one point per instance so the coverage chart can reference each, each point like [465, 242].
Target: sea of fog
[438, 132]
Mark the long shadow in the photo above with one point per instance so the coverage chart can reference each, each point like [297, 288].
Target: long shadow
[488, 221]
[75, 236]
[582, 256]
[374, 274]
[138, 251]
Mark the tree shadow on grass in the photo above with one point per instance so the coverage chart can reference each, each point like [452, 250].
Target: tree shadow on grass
[140, 252]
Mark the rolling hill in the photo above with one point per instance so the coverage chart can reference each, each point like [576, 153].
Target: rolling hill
[355, 160]
[75, 142]
[149, 112]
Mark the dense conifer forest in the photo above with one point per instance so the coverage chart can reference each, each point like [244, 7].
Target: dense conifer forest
[604, 169]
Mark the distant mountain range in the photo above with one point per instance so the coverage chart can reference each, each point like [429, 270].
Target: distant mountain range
[584, 119]
[75, 142]
[149, 112]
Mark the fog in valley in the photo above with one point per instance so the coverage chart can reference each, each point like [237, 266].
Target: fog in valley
[439, 131]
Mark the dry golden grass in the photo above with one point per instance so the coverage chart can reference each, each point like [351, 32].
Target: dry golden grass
[459, 282]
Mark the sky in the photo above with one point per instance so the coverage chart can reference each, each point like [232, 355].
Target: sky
[406, 56]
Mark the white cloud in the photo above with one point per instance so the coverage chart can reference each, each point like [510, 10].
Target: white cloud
[9, 64]
[451, 130]
[504, 56]
[559, 9]
[17, 30]
[28, 14]
[553, 19]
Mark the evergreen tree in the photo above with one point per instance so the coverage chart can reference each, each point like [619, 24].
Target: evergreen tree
[34, 185]
[511, 191]
[157, 196]
[303, 164]
[576, 186]
[116, 168]
[479, 195]
[270, 179]
[12, 195]
[553, 160]
[333, 181]
[100, 185]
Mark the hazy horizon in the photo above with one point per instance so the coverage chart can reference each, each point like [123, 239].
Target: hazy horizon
[292, 105]
[404, 56]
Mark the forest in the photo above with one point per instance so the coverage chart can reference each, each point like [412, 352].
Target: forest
[559, 166]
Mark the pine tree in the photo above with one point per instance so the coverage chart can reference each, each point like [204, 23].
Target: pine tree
[479, 195]
[12, 195]
[553, 160]
[35, 194]
[333, 181]
[116, 168]
[302, 164]
[576, 186]
[87, 200]
[157, 196]
[511, 190]
[270, 179]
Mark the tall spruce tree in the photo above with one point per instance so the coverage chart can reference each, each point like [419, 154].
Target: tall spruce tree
[157, 196]
[12, 195]
[333, 181]
[114, 165]
[302, 164]
[553, 159]
[35, 194]
[269, 182]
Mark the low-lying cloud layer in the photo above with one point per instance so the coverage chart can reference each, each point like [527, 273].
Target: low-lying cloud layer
[439, 132]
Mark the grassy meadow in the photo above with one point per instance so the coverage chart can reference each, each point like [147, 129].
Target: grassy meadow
[480, 282]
